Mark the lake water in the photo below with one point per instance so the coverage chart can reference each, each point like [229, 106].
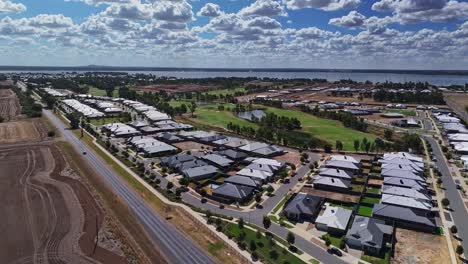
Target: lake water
[440, 80]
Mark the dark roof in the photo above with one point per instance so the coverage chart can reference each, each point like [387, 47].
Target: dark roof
[242, 180]
[404, 214]
[369, 231]
[233, 190]
[190, 164]
[232, 154]
[218, 160]
[173, 161]
[200, 171]
[304, 204]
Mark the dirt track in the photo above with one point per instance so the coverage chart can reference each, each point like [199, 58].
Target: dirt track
[9, 104]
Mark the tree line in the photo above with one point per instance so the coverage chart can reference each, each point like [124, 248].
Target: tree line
[433, 97]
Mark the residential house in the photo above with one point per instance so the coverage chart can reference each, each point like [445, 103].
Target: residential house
[229, 192]
[245, 181]
[200, 173]
[344, 165]
[405, 217]
[369, 235]
[333, 219]
[336, 173]
[406, 202]
[332, 184]
[303, 207]
[218, 160]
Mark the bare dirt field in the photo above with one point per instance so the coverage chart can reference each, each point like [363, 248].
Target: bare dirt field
[292, 157]
[191, 145]
[9, 104]
[19, 131]
[419, 247]
[50, 216]
[331, 195]
[174, 88]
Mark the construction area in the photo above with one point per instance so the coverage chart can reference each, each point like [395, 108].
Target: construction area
[9, 104]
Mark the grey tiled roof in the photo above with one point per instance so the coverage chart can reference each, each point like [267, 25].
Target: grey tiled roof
[303, 204]
[233, 190]
[404, 214]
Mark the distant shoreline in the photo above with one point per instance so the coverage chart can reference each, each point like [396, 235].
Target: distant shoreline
[93, 68]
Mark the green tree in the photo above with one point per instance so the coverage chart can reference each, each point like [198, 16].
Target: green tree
[327, 148]
[240, 223]
[356, 145]
[258, 197]
[193, 107]
[454, 229]
[460, 249]
[270, 189]
[339, 145]
[445, 202]
[388, 134]
[253, 245]
[169, 185]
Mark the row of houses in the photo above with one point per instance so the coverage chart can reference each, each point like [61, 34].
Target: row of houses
[108, 107]
[406, 198]
[457, 132]
[255, 148]
[337, 173]
[83, 109]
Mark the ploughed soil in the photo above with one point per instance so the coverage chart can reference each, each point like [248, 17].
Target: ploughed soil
[191, 145]
[174, 88]
[9, 104]
[23, 130]
[419, 247]
[49, 216]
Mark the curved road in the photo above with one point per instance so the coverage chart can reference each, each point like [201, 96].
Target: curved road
[174, 245]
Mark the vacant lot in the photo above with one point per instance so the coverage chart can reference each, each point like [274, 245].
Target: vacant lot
[31, 130]
[331, 195]
[418, 247]
[9, 104]
[50, 216]
[191, 145]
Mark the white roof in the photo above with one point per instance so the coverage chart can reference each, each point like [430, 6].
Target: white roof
[458, 137]
[270, 162]
[82, 108]
[156, 115]
[334, 217]
[405, 202]
[404, 155]
[406, 192]
[120, 129]
[461, 146]
[345, 158]
[255, 173]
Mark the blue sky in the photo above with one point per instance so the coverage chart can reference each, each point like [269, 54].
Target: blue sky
[387, 34]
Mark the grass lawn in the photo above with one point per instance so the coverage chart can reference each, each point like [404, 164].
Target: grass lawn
[342, 205]
[376, 260]
[263, 245]
[365, 211]
[215, 248]
[325, 129]
[335, 240]
[370, 200]
[209, 114]
[227, 91]
[373, 190]
[357, 188]
[97, 92]
[401, 111]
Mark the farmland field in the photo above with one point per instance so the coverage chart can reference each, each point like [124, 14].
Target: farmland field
[51, 216]
[9, 104]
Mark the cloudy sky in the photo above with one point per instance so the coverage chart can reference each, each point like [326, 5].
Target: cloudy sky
[384, 34]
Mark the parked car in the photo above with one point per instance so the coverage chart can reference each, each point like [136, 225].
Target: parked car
[336, 251]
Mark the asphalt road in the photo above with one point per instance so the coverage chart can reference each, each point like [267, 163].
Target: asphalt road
[256, 216]
[459, 213]
[174, 245]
